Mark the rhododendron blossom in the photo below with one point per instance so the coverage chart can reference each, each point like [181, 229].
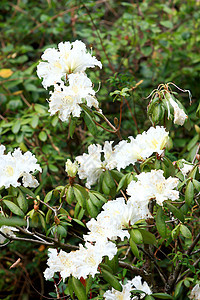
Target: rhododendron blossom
[91, 165]
[79, 263]
[17, 165]
[152, 185]
[66, 99]
[179, 114]
[125, 294]
[69, 58]
[113, 221]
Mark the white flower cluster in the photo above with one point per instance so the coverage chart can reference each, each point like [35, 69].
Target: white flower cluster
[122, 155]
[16, 165]
[79, 263]
[68, 65]
[8, 230]
[91, 165]
[195, 293]
[152, 185]
[113, 221]
[131, 285]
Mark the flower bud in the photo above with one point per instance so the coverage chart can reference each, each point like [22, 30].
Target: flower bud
[71, 168]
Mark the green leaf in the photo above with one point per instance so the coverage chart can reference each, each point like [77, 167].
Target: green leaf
[113, 263]
[108, 179]
[95, 200]
[27, 191]
[105, 188]
[185, 232]
[13, 221]
[162, 296]
[48, 197]
[167, 24]
[79, 289]
[91, 208]
[112, 280]
[134, 248]
[176, 212]
[16, 127]
[72, 126]
[79, 197]
[42, 136]
[196, 184]
[22, 202]
[34, 121]
[148, 237]
[106, 267]
[14, 208]
[189, 193]
[89, 281]
[149, 297]
[136, 236]
[70, 195]
[70, 286]
[90, 123]
[62, 232]
[160, 222]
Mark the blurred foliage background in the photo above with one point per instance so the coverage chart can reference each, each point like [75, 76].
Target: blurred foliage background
[150, 41]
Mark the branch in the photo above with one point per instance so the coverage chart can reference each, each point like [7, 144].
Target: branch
[135, 270]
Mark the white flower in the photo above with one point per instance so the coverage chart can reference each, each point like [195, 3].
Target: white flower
[7, 230]
[70, 58]
[71, 168]
[74, 57]
[66, 99]
[137, 283]
[179, 114]
[111, 223]
[90, 165]
[195, 293]
[153, 185]
[187, 167]
[141, 147]
[156, 139]
[79, 263]
[131, 285]
[16, 165]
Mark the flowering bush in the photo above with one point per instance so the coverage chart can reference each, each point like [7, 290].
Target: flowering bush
[123, 235]
[100, 173]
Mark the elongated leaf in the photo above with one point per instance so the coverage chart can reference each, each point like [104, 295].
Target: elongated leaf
[95, 200]
[48, 197]
[113, 263]
[106, 267]
[176, 212]
[189, 193]
[13, 221]
[149, 297]
[148, 237]
[160, 222]
[196, 184]
[91, 208]
[162, 296]
[136, 236]
[79, 197]
[185, 231]
[88, 284]
[79, 289]
[134, 248]
[108, 179]
[112, 280]
[90, 123]
[14, 208]
[21, 200]
[70, 195]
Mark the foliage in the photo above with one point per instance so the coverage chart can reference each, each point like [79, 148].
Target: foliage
[141, 44]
